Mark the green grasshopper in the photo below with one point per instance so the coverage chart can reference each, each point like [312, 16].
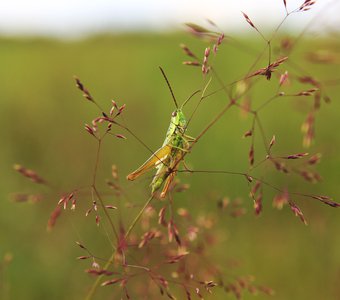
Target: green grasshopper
[166, 159]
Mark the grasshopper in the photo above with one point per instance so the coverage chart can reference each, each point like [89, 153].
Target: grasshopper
[167, 158]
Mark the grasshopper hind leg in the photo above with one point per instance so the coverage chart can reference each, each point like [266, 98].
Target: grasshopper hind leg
[153, 161]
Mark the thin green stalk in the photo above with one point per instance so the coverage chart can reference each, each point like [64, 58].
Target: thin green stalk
[133, 224]
[95, 285]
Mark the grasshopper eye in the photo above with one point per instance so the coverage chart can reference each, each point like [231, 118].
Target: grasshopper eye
[174, 114]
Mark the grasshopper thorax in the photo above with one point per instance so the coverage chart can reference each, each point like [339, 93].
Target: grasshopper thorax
[178, 119]
[177, 125]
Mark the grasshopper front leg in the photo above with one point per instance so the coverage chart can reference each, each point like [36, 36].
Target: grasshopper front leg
[189, 138]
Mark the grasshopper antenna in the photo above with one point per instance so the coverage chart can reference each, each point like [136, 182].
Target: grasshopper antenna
[168, 83]
[192, 95]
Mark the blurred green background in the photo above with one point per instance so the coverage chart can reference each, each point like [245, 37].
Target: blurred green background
[42, 118]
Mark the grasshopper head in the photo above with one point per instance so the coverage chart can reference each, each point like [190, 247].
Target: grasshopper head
[178, 118]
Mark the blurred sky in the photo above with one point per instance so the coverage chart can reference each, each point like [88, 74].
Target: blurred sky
[72, 18]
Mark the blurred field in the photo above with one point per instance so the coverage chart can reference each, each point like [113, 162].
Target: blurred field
[42, 118]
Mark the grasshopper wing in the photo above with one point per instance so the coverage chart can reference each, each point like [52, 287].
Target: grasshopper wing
[157, 158]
